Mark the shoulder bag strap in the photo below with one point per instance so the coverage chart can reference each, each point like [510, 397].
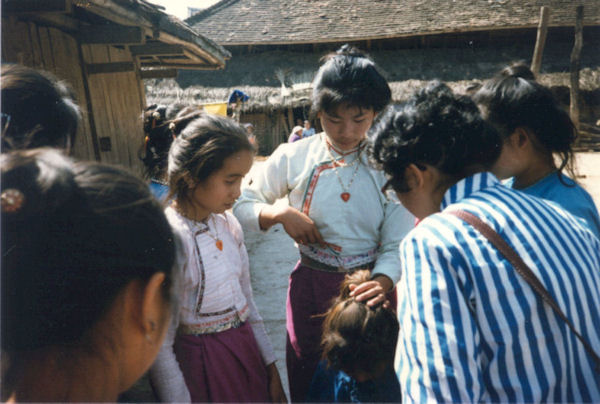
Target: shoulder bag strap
[526, 273]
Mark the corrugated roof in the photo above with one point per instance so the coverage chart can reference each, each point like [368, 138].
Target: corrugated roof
[247, 22]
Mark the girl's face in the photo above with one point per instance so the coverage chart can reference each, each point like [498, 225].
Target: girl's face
[346, 126]
[220, 190]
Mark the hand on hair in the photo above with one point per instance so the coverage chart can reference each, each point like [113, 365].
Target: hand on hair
[275, 388]
[373, 291]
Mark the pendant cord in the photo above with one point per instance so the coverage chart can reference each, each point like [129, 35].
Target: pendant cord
[345, 194]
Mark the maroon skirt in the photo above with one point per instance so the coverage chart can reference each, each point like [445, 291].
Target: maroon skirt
[223, 367]
[310, 294]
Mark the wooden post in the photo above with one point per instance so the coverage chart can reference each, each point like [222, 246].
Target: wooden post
[575, 59]
[290, 121]
[540, 41]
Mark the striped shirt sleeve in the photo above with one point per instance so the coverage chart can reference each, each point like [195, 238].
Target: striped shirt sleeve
[439, 347]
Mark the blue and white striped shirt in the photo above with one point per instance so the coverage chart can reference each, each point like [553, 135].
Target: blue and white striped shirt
[471, 329]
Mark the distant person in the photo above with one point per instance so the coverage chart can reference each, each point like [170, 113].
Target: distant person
[536, 132]
[250, 133]
[358, 351]
[217, 350]
[296, 134]
[308, 131]
[87, 256]
[336, 214]
[472, 329]
[159, 135]
[37, 110]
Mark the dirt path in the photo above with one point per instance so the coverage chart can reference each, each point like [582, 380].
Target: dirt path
[588, 166]
[272, 258]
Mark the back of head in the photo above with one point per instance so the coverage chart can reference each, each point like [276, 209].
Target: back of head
[517, 69]
[435, 127]
[159, 135]
[73, 236]
[37, 110]
[202, 144]
[357, 337]
[514, 101]
[349, 77]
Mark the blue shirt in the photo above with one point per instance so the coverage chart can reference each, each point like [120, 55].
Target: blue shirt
[335, 386]
[471, 329]
[573, 198]
[159, 190]
[308, 132]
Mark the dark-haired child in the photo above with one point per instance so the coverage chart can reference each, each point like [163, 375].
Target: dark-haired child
[159, 123]
[336, 214]
[87, 258]
[358, 351]
[218, 350]
[534, 129]
[37, 110]
[473, 329]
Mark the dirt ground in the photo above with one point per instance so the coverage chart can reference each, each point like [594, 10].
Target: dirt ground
[588, 166]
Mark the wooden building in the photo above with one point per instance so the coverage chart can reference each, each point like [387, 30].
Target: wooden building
[279, 42]
[103, 49]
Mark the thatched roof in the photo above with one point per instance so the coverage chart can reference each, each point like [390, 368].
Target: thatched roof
[270, 98]
[253, 22]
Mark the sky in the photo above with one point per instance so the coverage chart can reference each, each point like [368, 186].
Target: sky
[179, 8]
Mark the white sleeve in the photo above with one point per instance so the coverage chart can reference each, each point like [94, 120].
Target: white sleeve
[397, 222]
[165, 374]
[266, 186]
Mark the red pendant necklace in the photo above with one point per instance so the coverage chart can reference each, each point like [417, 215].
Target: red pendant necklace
[345, 195]
[218, 241]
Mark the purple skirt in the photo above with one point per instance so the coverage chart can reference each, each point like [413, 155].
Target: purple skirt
[310, 294]
[223, 367]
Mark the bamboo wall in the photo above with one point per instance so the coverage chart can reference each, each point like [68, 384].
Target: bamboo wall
[111, 102]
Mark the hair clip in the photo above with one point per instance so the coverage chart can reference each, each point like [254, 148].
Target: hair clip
[12, 200]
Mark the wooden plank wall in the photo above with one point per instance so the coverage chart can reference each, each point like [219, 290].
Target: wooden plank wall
[270, 129]
[50, 49]
[117, 103]
[116, 100]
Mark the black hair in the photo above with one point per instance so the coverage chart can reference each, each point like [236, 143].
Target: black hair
[349, 77]
[204, 143]
[435, 127]
[159, 135]
[357, 337]
[517, 69]
[37, 110]
[74, 234]
[512, 101]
